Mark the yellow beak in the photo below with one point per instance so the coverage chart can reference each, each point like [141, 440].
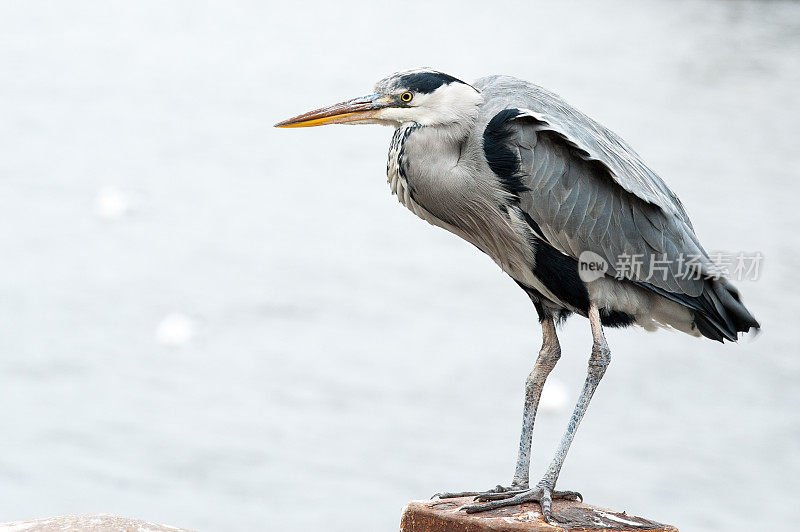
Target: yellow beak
[356, 110]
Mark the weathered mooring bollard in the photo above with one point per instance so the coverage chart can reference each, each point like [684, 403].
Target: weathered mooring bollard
[444, 516]
[418, 516]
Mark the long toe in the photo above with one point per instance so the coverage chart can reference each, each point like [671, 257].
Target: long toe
[455, 494]
[492, 496]
[546, 500]
[497, 490]
[519, 498]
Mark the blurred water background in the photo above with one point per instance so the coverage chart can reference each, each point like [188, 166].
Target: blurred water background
[211, 323]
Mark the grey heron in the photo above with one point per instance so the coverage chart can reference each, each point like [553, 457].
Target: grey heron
[539, 186]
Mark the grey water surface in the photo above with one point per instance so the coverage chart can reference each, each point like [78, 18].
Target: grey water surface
[212, 323]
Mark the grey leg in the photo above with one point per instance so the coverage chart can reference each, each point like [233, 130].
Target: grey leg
[548, 356]
[598, 362]
[544, 492]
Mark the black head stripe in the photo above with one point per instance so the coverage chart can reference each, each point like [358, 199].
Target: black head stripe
[425, 82]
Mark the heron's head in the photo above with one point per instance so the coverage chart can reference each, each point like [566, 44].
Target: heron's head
[423, 96]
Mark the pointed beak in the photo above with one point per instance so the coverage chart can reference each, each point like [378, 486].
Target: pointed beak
[356, 110]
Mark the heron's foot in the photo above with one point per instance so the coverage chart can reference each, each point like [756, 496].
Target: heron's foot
[496, 491]
[542, 494]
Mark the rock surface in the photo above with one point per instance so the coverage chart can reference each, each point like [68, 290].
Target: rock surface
[444, 516]
[93, 522]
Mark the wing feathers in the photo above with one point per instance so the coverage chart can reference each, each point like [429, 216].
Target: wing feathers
[579, 207]
[585, 189]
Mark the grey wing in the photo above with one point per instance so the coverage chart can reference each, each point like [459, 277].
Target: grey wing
[577, 199]
[621, 163]
[592, 140]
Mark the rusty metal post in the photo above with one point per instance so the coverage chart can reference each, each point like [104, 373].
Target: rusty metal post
[444, 516]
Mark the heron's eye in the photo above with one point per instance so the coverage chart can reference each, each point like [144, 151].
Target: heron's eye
[406, 97]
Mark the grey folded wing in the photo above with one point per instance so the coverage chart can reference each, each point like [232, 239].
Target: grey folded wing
[587, 190]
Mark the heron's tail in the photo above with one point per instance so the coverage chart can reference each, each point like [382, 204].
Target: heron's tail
[720, 313]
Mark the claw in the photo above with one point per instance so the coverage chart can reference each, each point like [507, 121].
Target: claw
[569, 495]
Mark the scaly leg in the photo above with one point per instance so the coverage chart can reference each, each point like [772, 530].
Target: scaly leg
[548, 356]
[544, 492]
